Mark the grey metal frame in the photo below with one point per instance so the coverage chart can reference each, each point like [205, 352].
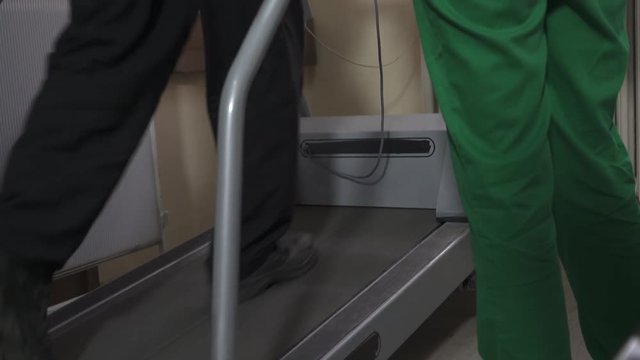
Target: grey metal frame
[231, 126]
[397, 303]
[449, 206]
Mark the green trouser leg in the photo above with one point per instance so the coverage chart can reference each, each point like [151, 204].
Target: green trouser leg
[487, 60]
[507, 75]
[597, 212]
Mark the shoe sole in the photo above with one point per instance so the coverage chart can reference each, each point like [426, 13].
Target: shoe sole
[256, 287]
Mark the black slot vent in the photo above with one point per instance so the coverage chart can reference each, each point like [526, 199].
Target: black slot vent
[420, 147]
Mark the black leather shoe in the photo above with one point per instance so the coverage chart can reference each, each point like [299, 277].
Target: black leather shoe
[295, 256]
[24, 294]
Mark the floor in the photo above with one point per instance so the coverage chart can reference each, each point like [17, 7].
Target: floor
[450, 333]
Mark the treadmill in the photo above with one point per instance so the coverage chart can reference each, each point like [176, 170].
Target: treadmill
[381, 271]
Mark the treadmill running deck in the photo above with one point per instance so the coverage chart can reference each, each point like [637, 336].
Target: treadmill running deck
[164, 314]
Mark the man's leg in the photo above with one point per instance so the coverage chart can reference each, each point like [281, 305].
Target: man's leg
[596, 208]
[104, 80]
[487, 59]
[271, 131]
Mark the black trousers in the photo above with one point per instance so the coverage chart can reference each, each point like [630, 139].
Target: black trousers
[105, 78]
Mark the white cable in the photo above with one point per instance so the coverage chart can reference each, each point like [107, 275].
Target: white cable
[367, 178]
[353, 62]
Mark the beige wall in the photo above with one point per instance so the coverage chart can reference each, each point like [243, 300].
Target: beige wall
[186, 152]
[337, 87]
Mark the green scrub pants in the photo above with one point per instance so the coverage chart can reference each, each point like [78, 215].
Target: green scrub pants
[528, 90]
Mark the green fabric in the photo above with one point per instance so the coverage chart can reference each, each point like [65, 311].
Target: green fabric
[528, 91]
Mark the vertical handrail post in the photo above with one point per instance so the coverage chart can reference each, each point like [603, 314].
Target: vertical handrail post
[229, 189]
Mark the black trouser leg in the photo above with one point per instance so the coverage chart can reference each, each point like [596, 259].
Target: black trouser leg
[104, 81]
[271, 121]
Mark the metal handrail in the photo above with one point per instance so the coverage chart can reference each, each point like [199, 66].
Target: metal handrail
[631, 350]
[229, 190]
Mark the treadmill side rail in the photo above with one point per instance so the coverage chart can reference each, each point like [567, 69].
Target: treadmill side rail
[398, 302]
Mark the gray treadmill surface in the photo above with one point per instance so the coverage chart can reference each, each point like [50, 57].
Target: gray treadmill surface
[167, 315]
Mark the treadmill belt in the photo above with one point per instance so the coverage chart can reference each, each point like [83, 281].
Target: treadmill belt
[167, 316]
